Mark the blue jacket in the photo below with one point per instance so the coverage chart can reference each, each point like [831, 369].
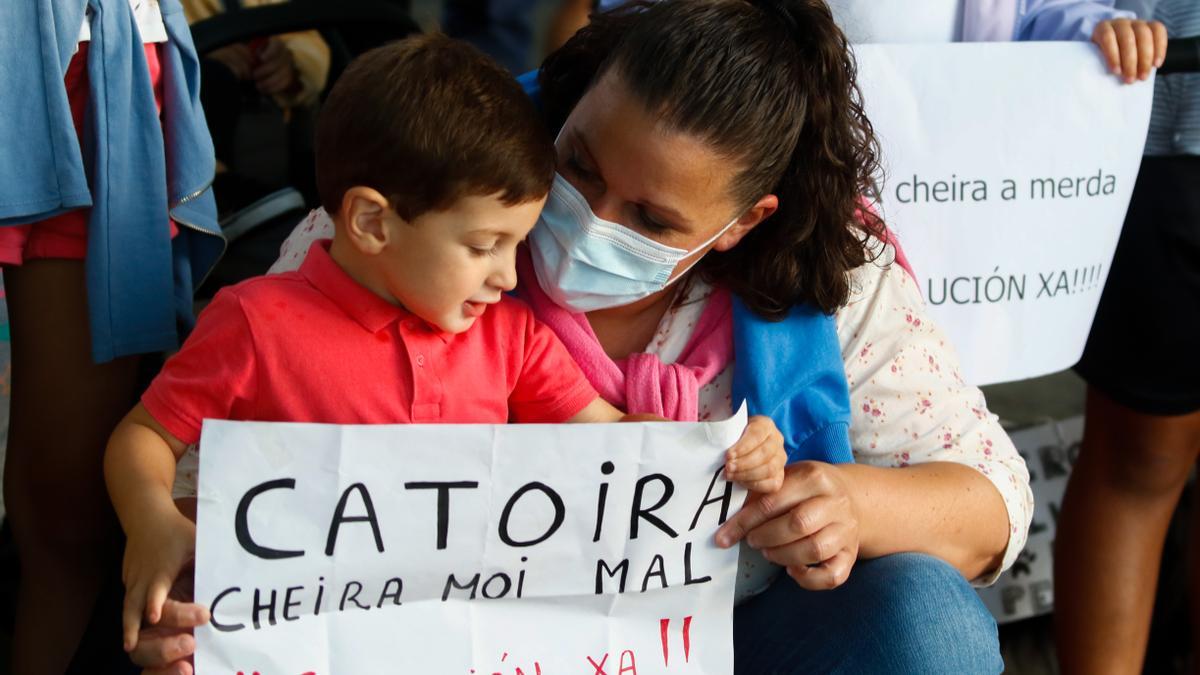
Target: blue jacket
[139, 281]
[789, 370]
[1023, 19]
[1039, 20]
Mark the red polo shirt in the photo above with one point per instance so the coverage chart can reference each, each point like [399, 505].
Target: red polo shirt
[315, 346]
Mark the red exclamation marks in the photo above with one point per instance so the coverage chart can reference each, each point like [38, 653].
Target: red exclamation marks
[663, 625]
[662, 629]
[687, 638]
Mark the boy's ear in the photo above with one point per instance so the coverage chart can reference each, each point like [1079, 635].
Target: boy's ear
[364, 211]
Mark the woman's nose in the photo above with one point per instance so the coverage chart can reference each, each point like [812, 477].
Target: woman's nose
[606, 206]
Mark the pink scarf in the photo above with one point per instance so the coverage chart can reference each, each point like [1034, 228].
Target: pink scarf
[640, 383]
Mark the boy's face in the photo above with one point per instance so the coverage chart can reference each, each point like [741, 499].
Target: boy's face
[448, 266]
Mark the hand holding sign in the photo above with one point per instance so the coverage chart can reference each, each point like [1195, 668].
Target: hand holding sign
[155, 552]
[809, 526]
[757, 460]
[167, 648]
[1131, 47]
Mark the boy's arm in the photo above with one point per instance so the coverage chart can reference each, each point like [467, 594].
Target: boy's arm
[139, 469]
[600, 410]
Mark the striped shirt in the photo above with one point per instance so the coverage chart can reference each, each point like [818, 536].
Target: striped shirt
[1175, 118]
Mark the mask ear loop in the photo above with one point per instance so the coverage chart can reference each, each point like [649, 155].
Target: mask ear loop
[711, 239]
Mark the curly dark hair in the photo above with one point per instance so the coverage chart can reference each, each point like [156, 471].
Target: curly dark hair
[771, 85]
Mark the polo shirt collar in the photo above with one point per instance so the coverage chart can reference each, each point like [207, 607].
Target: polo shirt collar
[371, 311]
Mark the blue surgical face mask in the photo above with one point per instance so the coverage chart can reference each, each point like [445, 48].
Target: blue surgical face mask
[585, 263]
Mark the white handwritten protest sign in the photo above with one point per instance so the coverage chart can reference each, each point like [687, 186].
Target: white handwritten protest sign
[465, 548]
[1009, 169]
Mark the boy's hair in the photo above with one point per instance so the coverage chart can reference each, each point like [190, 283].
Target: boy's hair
[427, 121]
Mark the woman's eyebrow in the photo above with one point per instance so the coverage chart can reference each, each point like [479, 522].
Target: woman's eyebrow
[584, 146]
[672, 215]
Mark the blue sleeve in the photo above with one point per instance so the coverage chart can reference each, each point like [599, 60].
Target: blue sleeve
[792, 371]
[1064, 19]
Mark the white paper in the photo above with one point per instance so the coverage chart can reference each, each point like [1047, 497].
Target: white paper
[559, 624]
[1014, 276]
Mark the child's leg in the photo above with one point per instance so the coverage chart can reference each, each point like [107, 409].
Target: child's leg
[63, 409]
[1122, 492]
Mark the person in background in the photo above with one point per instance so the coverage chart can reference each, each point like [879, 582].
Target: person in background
[1141, 432]
[291, 69]
[1130, 47]
[106, 224]
[502, 29]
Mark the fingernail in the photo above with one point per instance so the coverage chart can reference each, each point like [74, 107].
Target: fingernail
[722, 540]
[731, 466]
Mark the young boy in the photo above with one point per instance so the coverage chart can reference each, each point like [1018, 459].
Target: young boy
[435, 167]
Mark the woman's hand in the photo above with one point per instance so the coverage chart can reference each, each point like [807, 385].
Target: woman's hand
[810, 525]
[757, 460]
[1131, 47]
[155, 554]
[167, 648]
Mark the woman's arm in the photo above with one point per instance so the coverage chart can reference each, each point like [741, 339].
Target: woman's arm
[936, 473]
[944, 509]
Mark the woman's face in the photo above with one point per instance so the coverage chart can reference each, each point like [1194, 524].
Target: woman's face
[669, 186]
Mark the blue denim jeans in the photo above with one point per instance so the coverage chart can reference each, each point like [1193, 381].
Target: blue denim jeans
[905, 613]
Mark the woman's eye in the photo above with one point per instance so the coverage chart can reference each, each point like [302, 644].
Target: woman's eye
[577, 167]
[482, 250]
[650, 223]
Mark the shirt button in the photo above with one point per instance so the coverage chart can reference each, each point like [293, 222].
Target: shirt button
[420, 359]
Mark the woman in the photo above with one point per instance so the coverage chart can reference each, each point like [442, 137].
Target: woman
[728, 137]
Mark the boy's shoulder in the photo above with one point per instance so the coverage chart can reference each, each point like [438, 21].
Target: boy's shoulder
[267, 288]
[262, 297]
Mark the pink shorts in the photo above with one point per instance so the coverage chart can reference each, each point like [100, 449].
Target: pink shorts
[65, 235]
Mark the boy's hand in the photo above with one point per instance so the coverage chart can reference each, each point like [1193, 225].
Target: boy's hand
[1131, 47]
[757, 460]
[155, 554]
